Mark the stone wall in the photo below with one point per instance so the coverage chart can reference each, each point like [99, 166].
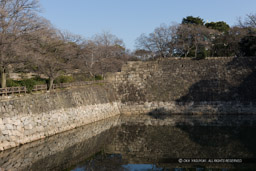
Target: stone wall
[36, 116]
[181, 85]
[173, 85]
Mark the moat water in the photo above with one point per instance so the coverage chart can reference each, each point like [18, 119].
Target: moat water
[139, 143]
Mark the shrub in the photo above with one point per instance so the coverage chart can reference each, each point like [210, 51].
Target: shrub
[98, 77]
[28, 83]
[40, 80]
[12, 83]
[63, 79]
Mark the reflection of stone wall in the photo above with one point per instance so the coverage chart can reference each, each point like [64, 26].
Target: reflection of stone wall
[136, 146]
[143, 139]
[53, 153]
[33, 117]
[139, 139]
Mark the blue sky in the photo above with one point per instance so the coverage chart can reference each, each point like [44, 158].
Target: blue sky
[128, 19]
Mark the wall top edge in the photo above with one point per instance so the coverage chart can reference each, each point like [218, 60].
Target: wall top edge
[191, 58]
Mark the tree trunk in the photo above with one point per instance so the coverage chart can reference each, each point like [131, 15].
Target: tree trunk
[3, 79]
[50, 83]
[91, 74]
[186, 54]
[196, 51]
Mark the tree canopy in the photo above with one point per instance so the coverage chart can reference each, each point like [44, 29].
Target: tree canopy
[193, 20]
[220, 26]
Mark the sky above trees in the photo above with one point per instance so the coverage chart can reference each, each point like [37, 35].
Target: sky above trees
[128, 19]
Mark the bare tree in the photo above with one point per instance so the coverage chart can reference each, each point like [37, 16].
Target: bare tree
[70, 37]
[193, 37]
[87, 56]
[103, 53]
[143, 43]
[17, 17]
[50, 54]
[184, 41]
[158, 42]
[109, 45]
[249, 21]
[143, 54]
[97, 54]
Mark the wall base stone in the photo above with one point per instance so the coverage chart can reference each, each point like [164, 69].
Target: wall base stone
[173, 107]
[27, 128]
[23, 120]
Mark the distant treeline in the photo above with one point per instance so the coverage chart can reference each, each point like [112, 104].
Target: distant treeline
[196, 38]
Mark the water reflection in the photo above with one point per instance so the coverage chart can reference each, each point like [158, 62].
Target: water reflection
[138, 143]
[62, 151]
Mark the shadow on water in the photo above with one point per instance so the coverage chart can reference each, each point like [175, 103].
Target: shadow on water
[228, 135]
[159, 113]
